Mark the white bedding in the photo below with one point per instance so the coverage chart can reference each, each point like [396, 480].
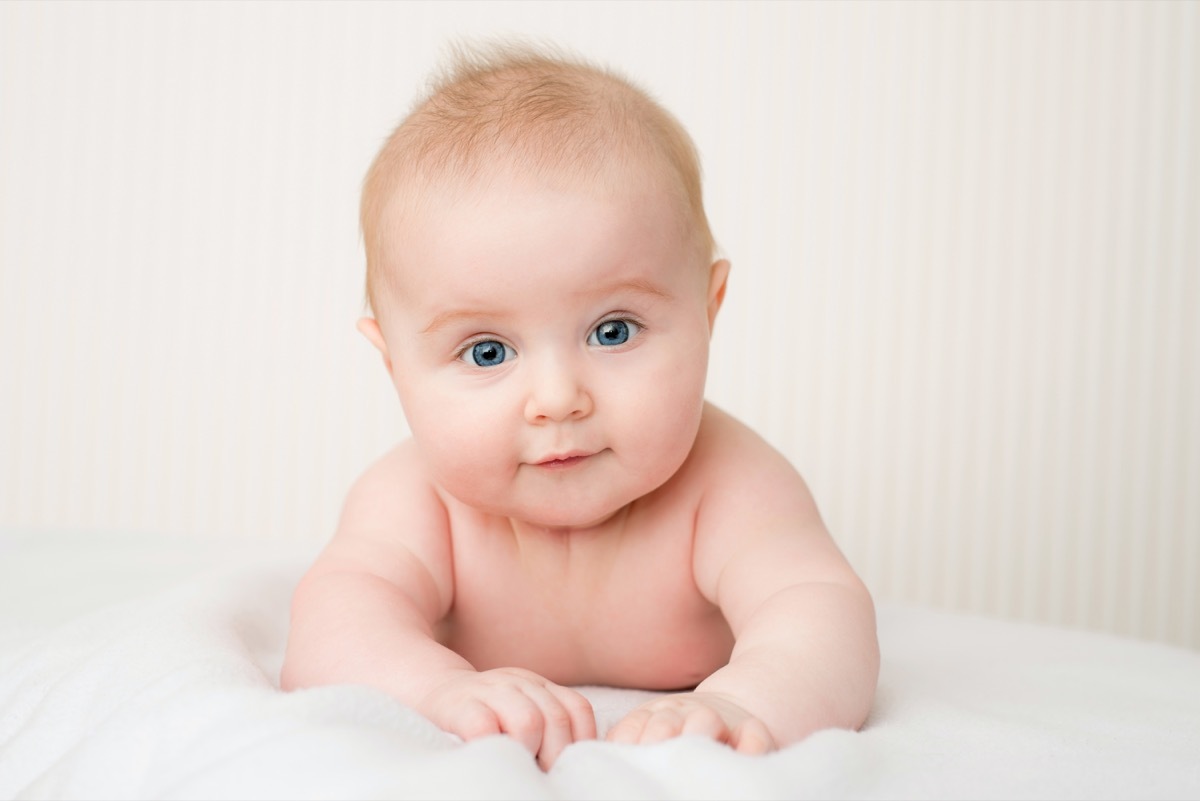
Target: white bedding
[171, 693]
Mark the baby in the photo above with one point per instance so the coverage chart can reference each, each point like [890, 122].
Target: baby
[569, 510]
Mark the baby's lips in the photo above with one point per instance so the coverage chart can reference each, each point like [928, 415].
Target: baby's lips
[563, 459]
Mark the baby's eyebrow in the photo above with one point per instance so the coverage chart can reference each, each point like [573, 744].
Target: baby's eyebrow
[638, 286]
[447, 318]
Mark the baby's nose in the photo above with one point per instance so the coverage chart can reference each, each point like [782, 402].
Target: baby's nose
[557, 394]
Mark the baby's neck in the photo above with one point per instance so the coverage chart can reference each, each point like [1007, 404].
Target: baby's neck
[556, 549]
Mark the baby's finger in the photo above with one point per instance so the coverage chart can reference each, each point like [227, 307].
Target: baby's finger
[752, 737]
[556, 723]
[664, 724]
[470, 719]
[629, 728]
[706, 722]
[519, 716]
[583, 718]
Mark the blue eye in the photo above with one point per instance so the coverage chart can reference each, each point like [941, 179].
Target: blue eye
[489, 353]
[613, 332]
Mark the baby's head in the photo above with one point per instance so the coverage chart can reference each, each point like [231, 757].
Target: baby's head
[509, 109]
[541, 271]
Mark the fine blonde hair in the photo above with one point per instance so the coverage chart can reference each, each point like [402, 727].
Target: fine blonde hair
[542, 111]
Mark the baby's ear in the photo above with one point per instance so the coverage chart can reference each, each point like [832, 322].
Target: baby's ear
[717, 276]
[369, 328]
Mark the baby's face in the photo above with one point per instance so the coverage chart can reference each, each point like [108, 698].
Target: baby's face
[549, 345]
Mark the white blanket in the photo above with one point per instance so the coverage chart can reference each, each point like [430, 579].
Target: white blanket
[174, 695]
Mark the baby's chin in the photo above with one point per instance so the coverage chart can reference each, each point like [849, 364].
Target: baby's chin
[557, 515]
[580, 502]
[567, 521]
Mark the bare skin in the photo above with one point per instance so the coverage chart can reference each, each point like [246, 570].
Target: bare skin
[631, 603]
[569, 510]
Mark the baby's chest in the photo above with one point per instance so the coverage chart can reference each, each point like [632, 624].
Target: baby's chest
[636, 619]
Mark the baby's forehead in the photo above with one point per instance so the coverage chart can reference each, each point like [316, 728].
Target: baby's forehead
[465, 200]
[611, 227]
[422, 193]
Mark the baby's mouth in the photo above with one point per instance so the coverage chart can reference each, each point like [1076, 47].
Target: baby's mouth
[564, 461]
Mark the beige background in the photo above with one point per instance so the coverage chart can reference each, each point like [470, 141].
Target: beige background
[966, 244]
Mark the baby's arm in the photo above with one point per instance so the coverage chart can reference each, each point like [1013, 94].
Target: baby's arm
[366, 610]
[806, 655]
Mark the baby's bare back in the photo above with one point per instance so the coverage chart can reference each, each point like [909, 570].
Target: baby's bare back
[615, 606]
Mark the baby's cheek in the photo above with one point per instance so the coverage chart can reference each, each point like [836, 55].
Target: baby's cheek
[662, 444]
[678, 408]
[464, 449]
[465, 457]
[446, 421]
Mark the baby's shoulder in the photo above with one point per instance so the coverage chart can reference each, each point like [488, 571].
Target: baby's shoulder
[393, 526]
[398, 463]
[754, 508]
[394, 486]
[741, 478]
[729, 453]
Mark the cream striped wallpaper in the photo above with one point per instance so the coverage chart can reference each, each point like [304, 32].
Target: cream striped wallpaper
[966, 247]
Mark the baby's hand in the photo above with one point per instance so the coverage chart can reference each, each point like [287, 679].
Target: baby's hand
[707, 714]
[538, 713]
